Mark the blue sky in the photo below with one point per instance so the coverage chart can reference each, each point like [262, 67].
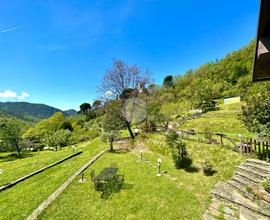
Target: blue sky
[56, 52]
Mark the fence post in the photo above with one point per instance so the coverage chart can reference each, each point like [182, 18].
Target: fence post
[255, 146]
[267, 153]
[263, 150]
[259, 146]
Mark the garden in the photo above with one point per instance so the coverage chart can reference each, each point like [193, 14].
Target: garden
[176, 194]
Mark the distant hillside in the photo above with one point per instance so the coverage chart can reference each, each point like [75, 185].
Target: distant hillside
[31, 112]
[24, 124]
[70, 112]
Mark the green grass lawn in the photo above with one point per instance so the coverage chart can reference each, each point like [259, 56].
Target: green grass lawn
[225, 120]
[14, 167]
[18, 202]
[179, 194]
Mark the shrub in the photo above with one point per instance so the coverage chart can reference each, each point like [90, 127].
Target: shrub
[207, 168]
[152, 126]
[266, 185]
[66, 125]
[93, 133]
[171, 138]
[180, 155]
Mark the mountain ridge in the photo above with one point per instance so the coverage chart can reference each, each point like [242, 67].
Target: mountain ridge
[31, 112]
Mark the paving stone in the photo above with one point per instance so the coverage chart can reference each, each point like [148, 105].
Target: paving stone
[246, 214]
[229, 211]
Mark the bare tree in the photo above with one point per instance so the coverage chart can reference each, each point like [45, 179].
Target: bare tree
[122, 77]
[124, 81]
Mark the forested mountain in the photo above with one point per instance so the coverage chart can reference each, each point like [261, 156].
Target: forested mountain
[29, 111]
[70, 112]
[230, 76]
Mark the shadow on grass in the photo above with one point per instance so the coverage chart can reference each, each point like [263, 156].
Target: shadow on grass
[110, 191]
[192, 169]
[186, 164]
[15, 156]
[209, 172]
[120, 151]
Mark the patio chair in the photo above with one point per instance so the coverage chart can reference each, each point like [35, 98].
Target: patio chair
[100, 185]
[118, 181]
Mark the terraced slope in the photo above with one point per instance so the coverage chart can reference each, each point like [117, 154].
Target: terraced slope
[224, 120]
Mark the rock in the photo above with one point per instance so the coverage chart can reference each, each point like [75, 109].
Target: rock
[229, 211]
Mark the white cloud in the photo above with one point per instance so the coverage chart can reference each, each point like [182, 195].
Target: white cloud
[11, 29]
[8, 94]
[23, 95]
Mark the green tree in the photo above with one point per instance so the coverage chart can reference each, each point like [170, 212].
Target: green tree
[66, 125]
[59, 138]
[256, 112]
[10, 133]
[112, 122]
[97, 104]
[38, 132]
[85, 107]
[120, 80]
[168, 82]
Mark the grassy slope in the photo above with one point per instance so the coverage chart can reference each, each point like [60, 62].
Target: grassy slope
[14, 167]
[177, 195]
[19, 201]
[225, 120]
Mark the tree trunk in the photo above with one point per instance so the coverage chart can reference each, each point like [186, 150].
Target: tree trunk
[18, 150]
[111, 145]
[129, 130]
[146, 123]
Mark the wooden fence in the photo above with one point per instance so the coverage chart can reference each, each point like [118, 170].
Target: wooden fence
[254, 147]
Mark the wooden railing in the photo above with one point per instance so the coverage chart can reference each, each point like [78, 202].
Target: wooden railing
[254, 147]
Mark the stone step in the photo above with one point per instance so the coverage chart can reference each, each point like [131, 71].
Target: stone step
[246, 214]
[220, 208]
[237, 185]
[252, 171]
[259, 162]
[249, 177]
[216, 204]
[226, 192]
[257, 167]
[208, 216]
[214, 212]
[242, 180]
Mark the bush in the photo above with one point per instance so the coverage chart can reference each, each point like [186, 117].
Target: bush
[66, 125]
[93, 133]
[207, 168]
[171, 138]
[152, 127]
[266, 185]
[180, 156]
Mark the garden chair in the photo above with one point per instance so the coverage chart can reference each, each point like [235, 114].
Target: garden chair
[118, 182]
[100, 185]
